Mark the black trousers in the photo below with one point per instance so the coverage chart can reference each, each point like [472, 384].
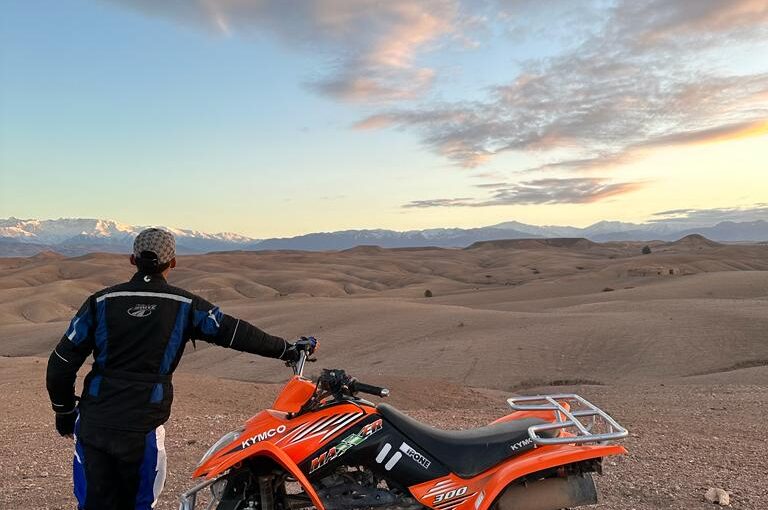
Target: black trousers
[117, 469]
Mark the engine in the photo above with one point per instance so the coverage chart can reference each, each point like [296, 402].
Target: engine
[352, 489]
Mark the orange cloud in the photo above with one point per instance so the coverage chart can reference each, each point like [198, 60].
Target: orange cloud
[580, 190]
[717, 134]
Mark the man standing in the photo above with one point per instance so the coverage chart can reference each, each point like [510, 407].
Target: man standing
[136, 332]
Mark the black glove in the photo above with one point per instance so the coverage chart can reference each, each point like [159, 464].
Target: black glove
[306, 344]
[65, 423]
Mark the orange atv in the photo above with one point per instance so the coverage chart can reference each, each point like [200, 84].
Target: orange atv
[322, 446]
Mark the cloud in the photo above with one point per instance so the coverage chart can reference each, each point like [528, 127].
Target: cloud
[365, 83]
[618, 78]
[727, 132]
[539, 191]
[373, 45]
[648, 76]
[439, 202]
[601, 161]
[755, 212]
[662, 20]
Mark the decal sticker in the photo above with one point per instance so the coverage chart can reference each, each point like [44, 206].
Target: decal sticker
[261, 436]
[479, 500]
[324, 427]
[345, 445]
[453, 493]
[521, 444]
[416, 456]
[384, 452]
[447, 495]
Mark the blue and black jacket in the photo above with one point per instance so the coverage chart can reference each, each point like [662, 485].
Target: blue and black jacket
[137, 332]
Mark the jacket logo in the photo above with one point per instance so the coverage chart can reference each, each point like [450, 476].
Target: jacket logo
[141, 310]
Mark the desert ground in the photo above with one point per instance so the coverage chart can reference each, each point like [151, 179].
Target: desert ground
[671, 343]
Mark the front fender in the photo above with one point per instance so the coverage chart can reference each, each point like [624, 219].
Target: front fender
[541, 458]
[267, 449]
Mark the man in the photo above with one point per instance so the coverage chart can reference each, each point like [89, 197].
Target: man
[137, 332]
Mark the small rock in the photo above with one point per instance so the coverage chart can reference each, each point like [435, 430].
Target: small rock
[719, 496]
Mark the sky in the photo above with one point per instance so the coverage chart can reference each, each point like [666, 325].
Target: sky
[282, 117]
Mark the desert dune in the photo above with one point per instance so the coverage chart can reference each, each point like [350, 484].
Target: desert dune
[672, 343]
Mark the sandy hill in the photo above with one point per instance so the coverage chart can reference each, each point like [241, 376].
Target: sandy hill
[695, 241]
[563, 242]
[502, 315]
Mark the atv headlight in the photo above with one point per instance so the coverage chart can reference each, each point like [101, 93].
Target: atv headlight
[218, 445]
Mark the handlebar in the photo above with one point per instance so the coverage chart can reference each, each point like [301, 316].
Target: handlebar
[337, 381]
[339, 384]
[298, 367]
[376, 391]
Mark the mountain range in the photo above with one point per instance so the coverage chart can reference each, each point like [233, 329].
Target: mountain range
[77, 236]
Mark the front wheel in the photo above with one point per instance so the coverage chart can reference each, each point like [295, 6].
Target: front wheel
[253, 487]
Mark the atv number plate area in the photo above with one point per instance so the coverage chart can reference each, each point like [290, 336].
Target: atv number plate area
[571, 412]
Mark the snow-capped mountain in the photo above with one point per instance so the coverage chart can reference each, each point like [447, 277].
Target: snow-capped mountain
[56, 231]
[81, 235]
[76, 236]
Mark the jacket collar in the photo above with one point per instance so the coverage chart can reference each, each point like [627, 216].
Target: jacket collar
[147, 278]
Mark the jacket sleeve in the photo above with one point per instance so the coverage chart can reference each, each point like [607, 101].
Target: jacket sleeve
[67, 358]
[211, 325]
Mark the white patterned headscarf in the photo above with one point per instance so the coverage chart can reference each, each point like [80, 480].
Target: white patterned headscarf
[160, 242]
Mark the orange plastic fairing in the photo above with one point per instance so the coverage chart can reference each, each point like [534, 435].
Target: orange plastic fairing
[287, 441]
[478, 493]
[268, 449]
[295, 394]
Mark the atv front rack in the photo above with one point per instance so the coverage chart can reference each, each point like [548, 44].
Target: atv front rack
[569, 410]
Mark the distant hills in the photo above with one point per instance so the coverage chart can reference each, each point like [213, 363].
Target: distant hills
[77, 236]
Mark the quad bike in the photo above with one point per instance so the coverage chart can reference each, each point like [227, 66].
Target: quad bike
[322, 446]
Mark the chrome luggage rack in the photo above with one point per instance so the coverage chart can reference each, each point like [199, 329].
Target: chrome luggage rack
[601, 428]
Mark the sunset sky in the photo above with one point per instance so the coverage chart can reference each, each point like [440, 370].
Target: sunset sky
[281, 117]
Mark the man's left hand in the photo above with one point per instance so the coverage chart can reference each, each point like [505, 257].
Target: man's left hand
[306, 344]
[65, 423]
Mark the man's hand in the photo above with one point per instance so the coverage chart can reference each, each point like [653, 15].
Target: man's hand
[306, 344]
[65, 423]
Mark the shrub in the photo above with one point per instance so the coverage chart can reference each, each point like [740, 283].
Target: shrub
[427, 293]
[646, 250]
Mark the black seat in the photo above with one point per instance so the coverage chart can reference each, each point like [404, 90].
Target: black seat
[465, 452]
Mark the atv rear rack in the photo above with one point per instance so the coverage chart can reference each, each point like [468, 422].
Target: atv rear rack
[601, 428]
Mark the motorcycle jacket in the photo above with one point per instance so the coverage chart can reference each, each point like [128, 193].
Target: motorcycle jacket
[137, 332]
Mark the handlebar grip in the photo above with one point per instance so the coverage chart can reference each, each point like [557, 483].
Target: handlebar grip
[376, 391]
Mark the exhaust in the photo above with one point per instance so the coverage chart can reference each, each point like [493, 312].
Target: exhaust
[550, 494]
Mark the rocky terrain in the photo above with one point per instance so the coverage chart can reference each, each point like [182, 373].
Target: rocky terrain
[671, 343]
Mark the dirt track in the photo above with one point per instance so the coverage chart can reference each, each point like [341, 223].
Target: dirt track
[684, 438]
